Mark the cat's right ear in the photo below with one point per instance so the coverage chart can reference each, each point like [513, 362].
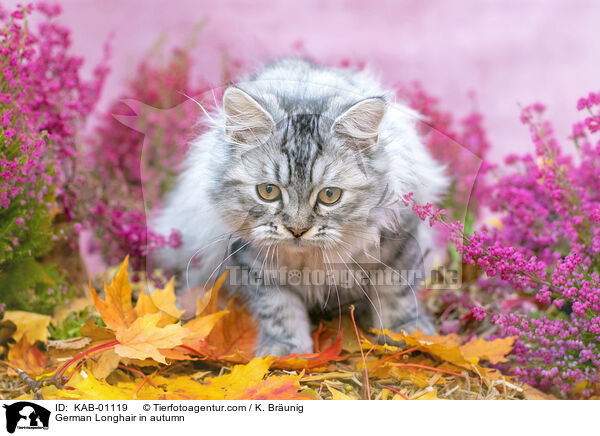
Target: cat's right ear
[247, 122]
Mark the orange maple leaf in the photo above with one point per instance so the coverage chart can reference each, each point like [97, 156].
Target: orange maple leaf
[318, 361]
[232, 339]
[116, 311]
[27, 357]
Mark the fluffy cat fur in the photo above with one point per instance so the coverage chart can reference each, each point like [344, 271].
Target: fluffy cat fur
[303, 128]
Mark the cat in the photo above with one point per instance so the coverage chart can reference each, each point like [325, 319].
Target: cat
[301, 175]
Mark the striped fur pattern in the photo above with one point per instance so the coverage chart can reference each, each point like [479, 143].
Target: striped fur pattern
[303, 128]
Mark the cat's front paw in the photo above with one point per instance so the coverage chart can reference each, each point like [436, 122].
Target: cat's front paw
[274, 347]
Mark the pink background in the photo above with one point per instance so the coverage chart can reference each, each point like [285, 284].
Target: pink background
[509, 52]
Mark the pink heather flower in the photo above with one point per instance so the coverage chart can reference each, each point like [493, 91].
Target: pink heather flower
[19, 221]
[479, 313]
[118, 215]
[546, 249]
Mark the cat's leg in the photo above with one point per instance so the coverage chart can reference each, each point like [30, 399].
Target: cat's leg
[400, 311]
[283, 322]
[396, 299]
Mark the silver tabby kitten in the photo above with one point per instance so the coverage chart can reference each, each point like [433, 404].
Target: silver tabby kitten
[300, 178]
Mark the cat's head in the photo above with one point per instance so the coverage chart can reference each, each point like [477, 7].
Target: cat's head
[301, 173]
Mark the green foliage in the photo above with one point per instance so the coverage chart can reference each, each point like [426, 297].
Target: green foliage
[69, 328]
[32, 286]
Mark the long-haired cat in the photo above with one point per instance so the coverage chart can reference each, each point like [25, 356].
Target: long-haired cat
[296, 189]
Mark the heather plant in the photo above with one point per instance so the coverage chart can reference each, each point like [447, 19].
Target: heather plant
[137, 151]
[461, 145]
[43, 102]
[543, 256]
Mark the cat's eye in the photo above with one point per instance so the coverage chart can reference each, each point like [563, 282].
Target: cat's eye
[268, 191]
[329, 196]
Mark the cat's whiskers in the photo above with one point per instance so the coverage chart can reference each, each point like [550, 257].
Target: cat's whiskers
[262, 266]
[277, 267]
[256, 257]
[400, 275]
[223, 261]
[324, 305]
[325, 255]
[369, 276]
[360, 287]
[407, 283]
[219, 238]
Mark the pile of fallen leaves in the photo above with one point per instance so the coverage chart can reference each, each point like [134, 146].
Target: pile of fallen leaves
[146, 351]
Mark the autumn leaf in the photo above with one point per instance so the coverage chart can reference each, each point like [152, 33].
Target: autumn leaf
[495, 351]
[198, 329]
[144, 338]
[243, 382]
[232, 339]
[84, 385]
[105, 364]
[27, 357]
[116, 311]
[208, 303]
[206, 314]
[448, 349]
[33, 325]
[314, 361]
[161, 300]
[132, 358]
[250, 381]
[96, 333]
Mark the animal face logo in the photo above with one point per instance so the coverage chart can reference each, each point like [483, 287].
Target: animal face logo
[26, 415]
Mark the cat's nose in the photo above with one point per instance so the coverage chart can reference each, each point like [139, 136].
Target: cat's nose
[298, 232]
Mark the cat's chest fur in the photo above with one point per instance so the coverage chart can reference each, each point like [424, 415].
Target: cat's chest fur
[323, 278]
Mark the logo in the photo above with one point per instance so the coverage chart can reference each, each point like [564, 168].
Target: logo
[26, 415]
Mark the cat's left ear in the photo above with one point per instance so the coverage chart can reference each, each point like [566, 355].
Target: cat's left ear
[362, 120]
[248, 123]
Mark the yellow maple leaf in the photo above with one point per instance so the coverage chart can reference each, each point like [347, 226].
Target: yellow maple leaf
[143, 338]
[199, 328]
[161, 300]
[33, 325]
[208, 302]
[449, 349]
[243, 382]
[106, 363]
[85, 386]
[145, 305]
[495, 351]
[116, 311]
